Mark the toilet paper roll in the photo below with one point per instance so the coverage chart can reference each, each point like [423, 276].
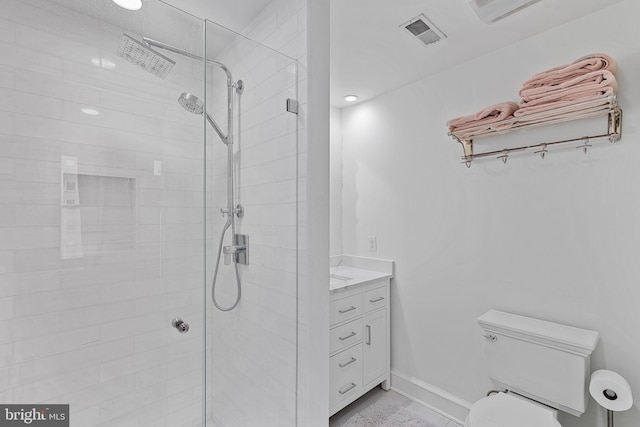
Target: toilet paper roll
[610, 390]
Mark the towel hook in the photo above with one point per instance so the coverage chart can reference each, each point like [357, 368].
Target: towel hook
[504, 157]
[585, 147]
[542, 152]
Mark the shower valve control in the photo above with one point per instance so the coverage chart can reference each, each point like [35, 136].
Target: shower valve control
[180, 325]
[239, 252]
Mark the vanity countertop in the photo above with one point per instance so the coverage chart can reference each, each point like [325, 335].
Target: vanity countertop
[344, 276]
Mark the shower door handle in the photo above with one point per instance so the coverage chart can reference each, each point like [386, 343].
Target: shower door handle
[180, 325]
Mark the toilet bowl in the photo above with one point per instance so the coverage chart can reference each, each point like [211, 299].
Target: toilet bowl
[509, 409]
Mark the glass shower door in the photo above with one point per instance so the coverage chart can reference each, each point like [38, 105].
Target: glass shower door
[101, 213]
[252, 348]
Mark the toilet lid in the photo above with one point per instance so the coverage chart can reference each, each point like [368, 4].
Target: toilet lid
[504, 410]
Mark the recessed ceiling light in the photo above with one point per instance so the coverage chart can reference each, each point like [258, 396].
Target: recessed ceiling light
[129, 4]
[90, 111]
[351, 98]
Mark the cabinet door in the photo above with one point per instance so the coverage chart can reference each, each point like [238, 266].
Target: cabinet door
[374, 357]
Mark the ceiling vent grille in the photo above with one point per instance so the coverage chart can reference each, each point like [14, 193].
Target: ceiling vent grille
[421, 29]
[490, 11]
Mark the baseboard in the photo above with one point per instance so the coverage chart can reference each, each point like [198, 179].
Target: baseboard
[442, 402]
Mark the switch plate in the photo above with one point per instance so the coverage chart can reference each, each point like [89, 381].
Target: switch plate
[157, 167]
[373, 243]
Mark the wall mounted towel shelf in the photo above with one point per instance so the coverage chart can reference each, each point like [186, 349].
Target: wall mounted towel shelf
[597, 108]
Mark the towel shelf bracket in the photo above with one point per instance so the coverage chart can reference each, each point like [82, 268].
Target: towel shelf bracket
[610, 109]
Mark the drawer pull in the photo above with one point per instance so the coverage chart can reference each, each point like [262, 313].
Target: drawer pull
[350, 387]
[346, 310]
[352, 334]
[342, 365]
[376, 299]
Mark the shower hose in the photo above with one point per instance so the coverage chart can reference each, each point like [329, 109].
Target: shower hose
[215, 275]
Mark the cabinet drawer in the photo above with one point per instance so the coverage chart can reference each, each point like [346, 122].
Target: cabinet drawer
[345, 335]
[375, 298]
[345, 374]
[345, 309]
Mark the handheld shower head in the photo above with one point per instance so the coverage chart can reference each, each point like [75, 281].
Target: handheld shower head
[192, 104]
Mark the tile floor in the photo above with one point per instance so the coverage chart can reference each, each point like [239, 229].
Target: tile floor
[340, 418]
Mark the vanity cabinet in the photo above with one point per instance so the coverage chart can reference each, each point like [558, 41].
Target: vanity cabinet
[359, 352]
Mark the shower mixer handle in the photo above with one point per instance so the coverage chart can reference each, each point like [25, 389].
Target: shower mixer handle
[233, 249]
[239, 251]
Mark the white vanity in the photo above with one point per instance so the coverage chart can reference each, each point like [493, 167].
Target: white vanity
[359, 351]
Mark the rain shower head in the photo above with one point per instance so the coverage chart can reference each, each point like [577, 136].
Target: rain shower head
[144, 57]
[191, 103]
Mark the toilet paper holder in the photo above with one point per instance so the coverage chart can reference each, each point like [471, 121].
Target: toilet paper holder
[604, 384]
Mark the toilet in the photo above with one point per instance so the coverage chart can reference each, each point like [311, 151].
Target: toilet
[539, 367]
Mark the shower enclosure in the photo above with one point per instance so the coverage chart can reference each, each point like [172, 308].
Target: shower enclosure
[148, 255]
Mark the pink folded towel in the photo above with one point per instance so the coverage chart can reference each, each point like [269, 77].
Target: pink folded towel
[584, 65]
[601, 78]
[562, 107]
[574, 94]
[486, 116]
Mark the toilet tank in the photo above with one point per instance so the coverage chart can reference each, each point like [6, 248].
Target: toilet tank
[541, 360]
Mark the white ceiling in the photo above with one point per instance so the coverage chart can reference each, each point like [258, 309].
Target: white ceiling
[370, 55]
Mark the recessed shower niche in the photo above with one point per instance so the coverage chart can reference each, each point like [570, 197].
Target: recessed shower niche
[98, 212]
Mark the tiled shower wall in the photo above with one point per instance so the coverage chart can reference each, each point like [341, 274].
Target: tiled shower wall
[252, 351]
[89, 325]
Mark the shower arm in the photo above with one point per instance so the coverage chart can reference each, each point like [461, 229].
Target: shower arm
[161, 45]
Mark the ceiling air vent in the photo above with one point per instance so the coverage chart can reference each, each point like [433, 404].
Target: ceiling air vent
[423, 30]
[490, 11]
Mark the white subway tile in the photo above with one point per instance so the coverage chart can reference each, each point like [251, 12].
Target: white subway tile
[97, 354]
[41, 84]
[26, 103]
[7, 77]
[29, 237]
[29, 60]
[6, 308]
[7, 122]
[32, 327]
[50, 389]
[7, 31]
[7, 216]
[287, 31]
[59, 300]
[30, 14]
[37, 259]
[29, 283]
[53, 44]
[33, 371]
[55, 343]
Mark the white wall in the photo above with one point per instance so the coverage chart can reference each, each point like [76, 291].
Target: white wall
[335, 174]
[555, 239]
